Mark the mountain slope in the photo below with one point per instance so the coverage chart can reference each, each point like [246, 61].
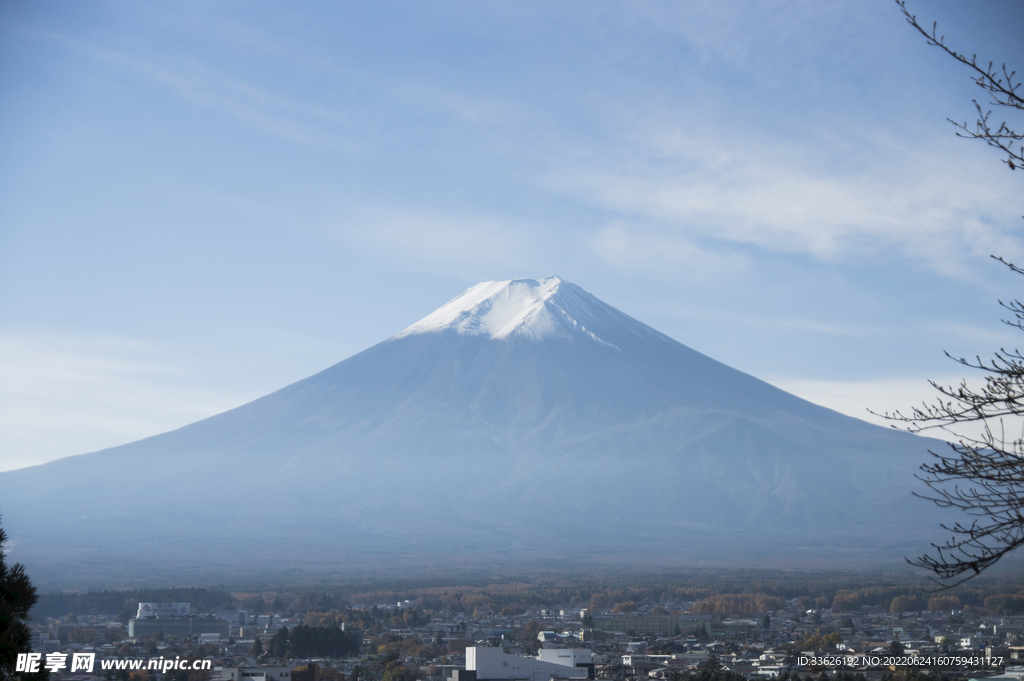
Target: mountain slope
[521, 419]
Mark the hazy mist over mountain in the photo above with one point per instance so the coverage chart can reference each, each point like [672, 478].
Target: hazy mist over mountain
[522, 423]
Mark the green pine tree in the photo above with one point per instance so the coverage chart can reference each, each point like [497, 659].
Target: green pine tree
[279, 644]
[17, 596]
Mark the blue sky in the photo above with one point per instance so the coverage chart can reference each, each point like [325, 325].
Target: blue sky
[202, 202]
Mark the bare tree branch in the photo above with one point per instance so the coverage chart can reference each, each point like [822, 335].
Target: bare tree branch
[983, 475]
[999, 85]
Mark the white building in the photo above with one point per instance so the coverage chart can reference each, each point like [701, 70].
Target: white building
[635, 659]
[567, 657]
[491, 664]
[1007, 626]
[42, 643]
[147, 610]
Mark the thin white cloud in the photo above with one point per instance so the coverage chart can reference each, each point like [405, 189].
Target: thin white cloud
[640, 250]
[435, 239]
[293, 120]
[772, 195]
[881, 396]
[306, 122]
[66, 396]
[982, 340]
[302, 122]
[463, 107]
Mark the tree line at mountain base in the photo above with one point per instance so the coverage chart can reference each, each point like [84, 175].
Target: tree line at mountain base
[721, 593]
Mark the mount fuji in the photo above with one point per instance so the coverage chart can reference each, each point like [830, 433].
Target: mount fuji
[524, 422]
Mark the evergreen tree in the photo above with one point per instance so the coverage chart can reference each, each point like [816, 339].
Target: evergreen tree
[279, 644]
[257, 647]
[17, 596]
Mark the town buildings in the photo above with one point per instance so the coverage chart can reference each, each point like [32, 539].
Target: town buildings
[568, 644]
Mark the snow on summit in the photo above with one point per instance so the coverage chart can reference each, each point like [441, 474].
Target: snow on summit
[523, 307]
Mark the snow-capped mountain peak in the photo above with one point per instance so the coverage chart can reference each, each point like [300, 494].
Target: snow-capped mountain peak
[516, 307]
